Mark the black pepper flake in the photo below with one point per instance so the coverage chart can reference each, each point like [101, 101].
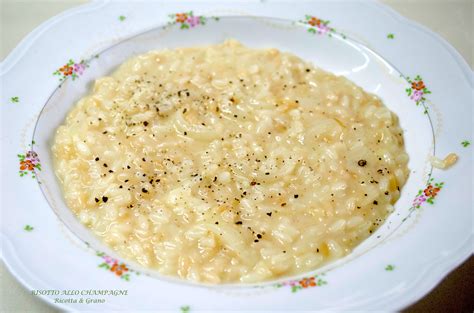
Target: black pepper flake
[185, 133]
[184, 110]
[238, 223]
[144, 190]
[267, 173]
[317, 250]
[120, 186]
[296, 196]
[256, 240]
[96, 200]
[308, 70]
[362, 162]
[128, 166]
[269, 214]
[145, 123]
[110, 171]
[215, 179]
[283, 204]
[217, 223]
[105, 199]
[386, 193]
[259, 236]
[375, 202]
[97, 159]
[143, 159]
[253, 183]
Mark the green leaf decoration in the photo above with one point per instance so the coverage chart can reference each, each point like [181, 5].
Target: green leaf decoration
[28, 228]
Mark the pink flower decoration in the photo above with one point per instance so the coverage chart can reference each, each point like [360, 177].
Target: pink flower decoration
[417, 95]
[323, 29]
[193, 20]
[419, 201]
[108, 260]
[32, 156]
[78, 68]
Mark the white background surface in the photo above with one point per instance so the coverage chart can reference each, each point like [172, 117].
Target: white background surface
[453, 20]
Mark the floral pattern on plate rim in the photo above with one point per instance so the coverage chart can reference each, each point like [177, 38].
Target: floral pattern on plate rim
[71, 69]
[417, 90]
[188, 19]
[29, 163]
[303, 283]
[428, 194]
[115, 266]
[319, 26]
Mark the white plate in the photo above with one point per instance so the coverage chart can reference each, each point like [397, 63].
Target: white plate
[401, 262]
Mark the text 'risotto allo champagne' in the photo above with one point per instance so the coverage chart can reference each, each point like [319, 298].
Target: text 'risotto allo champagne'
[228, 164]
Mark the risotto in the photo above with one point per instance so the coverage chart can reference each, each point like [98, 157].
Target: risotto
[228, 164]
